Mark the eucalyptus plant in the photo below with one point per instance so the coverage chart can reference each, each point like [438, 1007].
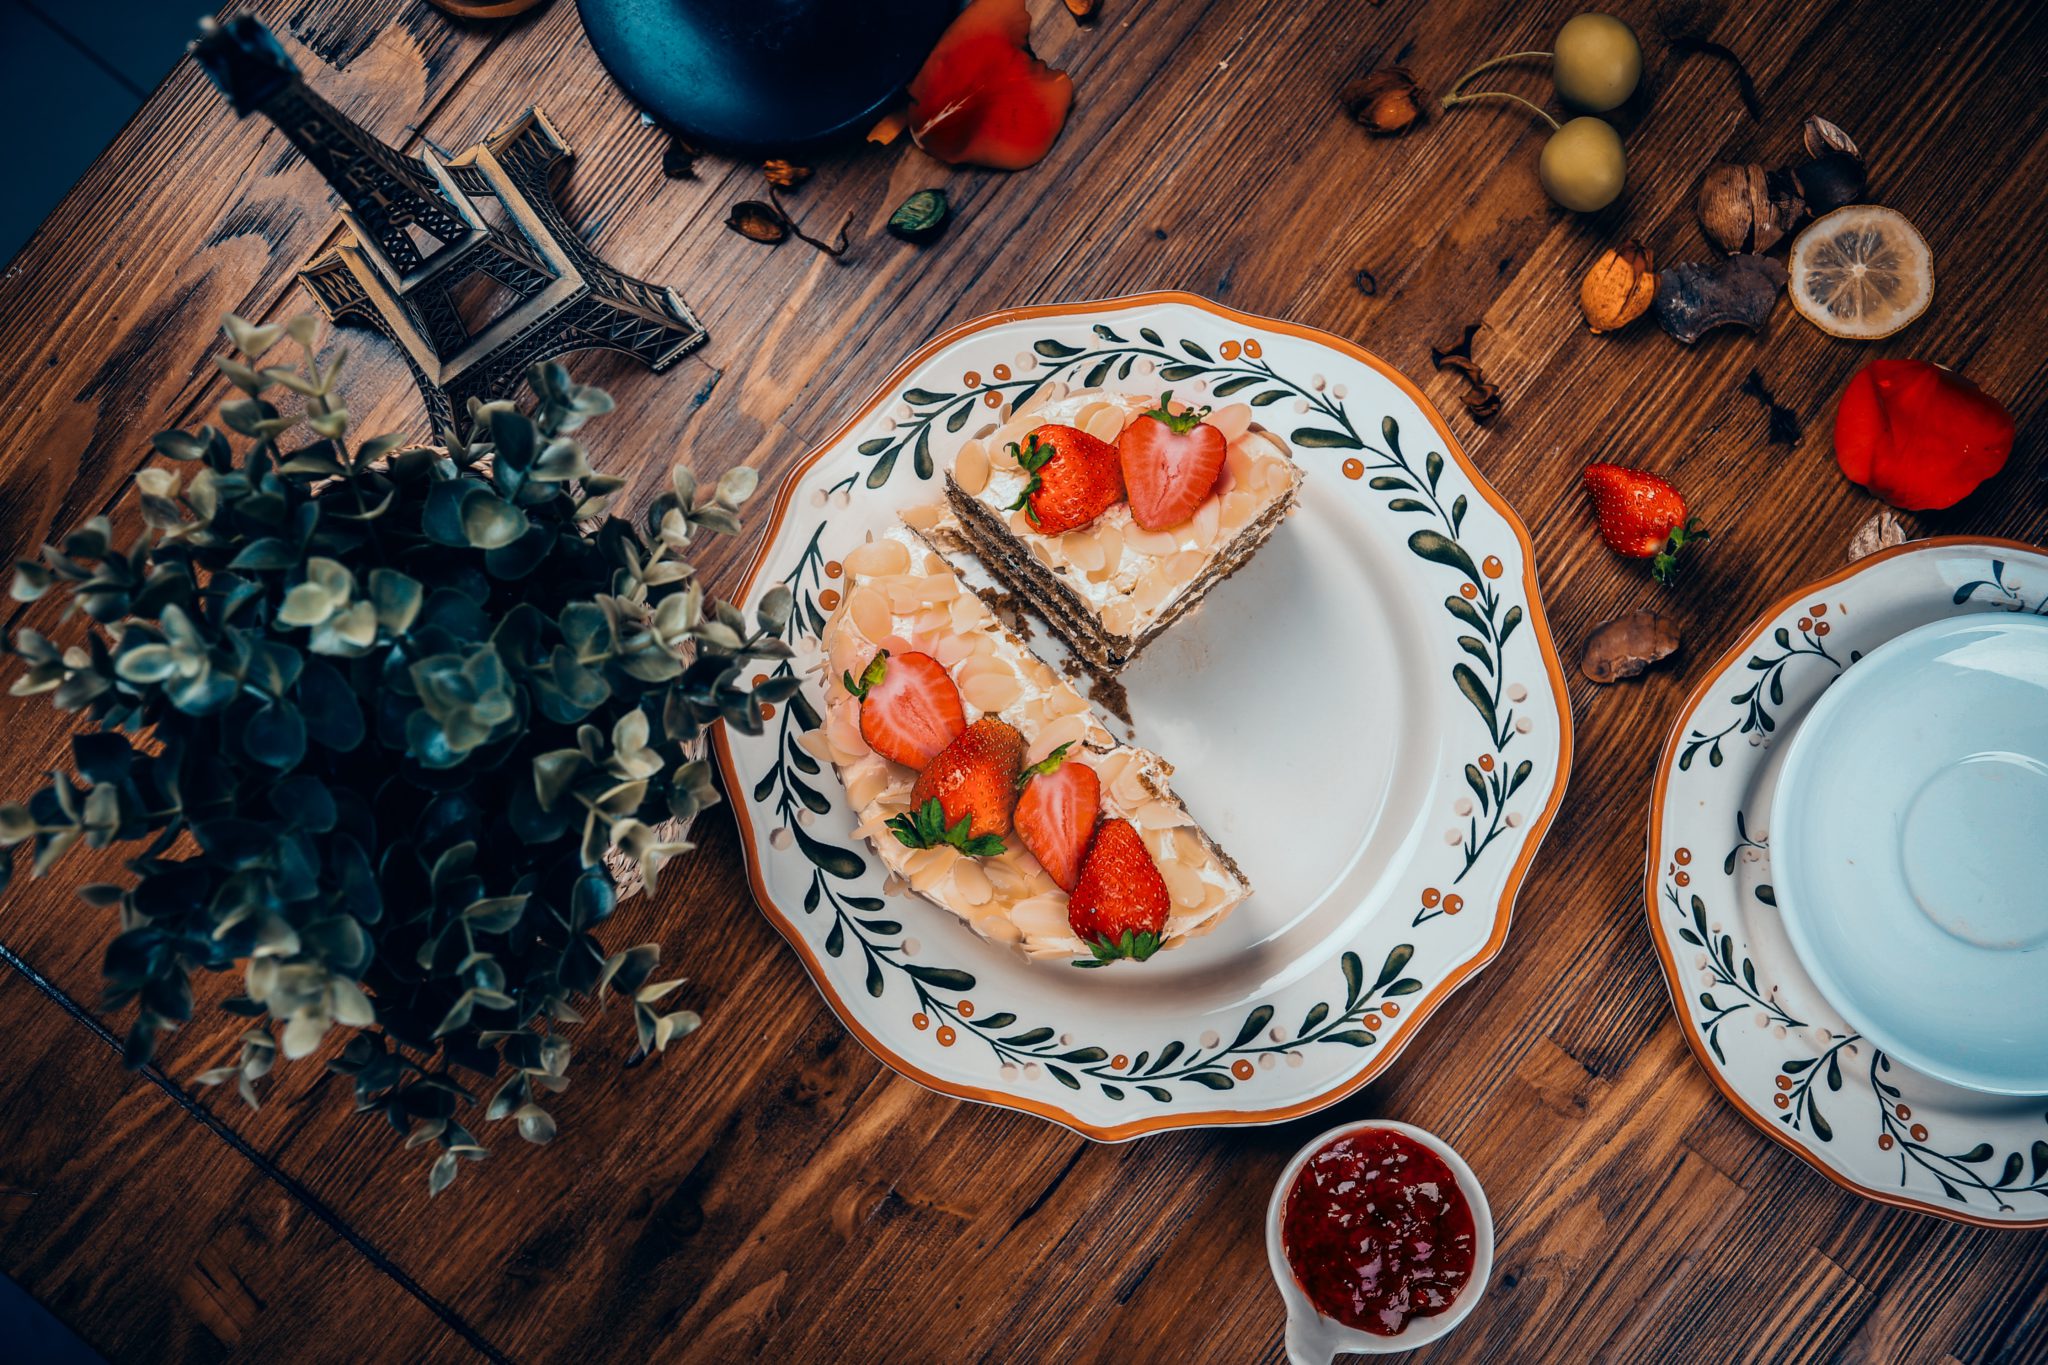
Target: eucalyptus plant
[374, 715]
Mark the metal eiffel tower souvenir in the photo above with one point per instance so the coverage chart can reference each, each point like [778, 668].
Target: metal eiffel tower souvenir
[430, 242]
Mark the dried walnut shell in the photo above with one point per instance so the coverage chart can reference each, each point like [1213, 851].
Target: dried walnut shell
[1625, 646]
[1619, 287]
[1743, 209]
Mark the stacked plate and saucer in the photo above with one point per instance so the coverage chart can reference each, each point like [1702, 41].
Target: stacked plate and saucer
[1848, 877]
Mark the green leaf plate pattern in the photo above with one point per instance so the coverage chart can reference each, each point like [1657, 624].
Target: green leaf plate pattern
[1777, 1050]
[969, 1017]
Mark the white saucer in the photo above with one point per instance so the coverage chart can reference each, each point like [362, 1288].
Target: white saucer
[1909, 854]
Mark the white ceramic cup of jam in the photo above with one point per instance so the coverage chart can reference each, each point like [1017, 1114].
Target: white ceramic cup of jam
[1314, 1338]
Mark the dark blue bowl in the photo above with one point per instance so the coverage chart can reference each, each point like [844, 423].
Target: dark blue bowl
[765, 74]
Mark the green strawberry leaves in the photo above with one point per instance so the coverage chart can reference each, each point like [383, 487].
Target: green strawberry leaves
[1179, 423]
[1033, 456]
[1045, 765]
[926, 828]
[1136, 947]
[871, 676]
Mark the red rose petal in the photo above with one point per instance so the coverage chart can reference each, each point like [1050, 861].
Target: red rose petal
[982, 98]
[1919, 436]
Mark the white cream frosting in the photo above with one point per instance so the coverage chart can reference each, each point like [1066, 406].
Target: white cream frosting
[897, 593]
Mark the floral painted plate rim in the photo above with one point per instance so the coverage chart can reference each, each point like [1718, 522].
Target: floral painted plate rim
[1800, 1123]
[1362, 990]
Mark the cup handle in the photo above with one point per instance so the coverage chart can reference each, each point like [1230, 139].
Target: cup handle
[1310, 1341]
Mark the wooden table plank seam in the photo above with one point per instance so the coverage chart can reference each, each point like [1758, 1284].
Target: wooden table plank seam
[291, 1186]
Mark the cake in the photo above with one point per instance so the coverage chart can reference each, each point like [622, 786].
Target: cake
[1111, 586]
[915, 660]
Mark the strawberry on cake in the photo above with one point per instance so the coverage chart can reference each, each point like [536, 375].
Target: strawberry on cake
[983, 780]
[1113, 515]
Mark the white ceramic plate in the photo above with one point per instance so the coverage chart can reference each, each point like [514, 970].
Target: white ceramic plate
[1910, 857]
[1765, 1032]
[1370, 718]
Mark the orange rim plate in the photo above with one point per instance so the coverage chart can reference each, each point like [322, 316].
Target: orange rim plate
[1371, 716]
[1753, 1017]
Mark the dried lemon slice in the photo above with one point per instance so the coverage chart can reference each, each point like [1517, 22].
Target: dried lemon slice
[1861, 272]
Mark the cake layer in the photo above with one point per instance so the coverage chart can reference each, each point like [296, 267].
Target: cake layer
[1112, 587]
[899, 594]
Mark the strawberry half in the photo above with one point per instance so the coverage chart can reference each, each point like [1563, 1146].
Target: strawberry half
[1118, 906]
[1074, 478]
[981, 98]
[966, 795]
[1056, 812]
[909, 707]
[1641, 516]
[1171, 462]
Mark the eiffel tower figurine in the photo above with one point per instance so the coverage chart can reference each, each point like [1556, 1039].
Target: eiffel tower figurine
[424, 236]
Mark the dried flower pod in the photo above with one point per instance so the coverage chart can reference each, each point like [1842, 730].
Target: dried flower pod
[1823, 138]
[1744, 209]
[761, 222]
[921, 217]
[1386, 102]
[679, 160]
[1083, 10]
[1619, 287]
[1881, 530]
[1625, 646]
[1832, 181]
[1741, 291]
[785, 175]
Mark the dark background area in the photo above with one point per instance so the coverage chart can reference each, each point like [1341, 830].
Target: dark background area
[71, 73]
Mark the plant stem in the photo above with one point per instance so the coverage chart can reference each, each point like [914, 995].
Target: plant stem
[1453, 100]
[1484, 67]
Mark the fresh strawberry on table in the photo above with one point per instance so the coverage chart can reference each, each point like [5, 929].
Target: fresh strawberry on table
[1642, 516]
[1171, 463]
[1118, 905]
[909, 707]
[1075, 478]
[1056, 812]
[966, 795]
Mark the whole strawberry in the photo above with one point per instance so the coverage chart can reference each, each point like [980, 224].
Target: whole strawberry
[1118, 906]
[1074, 478]
[1642, 516]
[966, 795]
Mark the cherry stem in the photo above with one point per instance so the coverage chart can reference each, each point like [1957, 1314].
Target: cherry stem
[1459, 83]
[1450, 101]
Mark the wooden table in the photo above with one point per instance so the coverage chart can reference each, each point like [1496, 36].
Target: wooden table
[770, 1190]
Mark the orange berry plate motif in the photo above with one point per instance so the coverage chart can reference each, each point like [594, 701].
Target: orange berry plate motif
[1369, 716]
[1755, 1019]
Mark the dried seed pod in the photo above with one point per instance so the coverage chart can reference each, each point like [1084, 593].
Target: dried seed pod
[785, 175]
[1741, 291]
[1743, 209]
[762, 222]
[1625, 646]
[1822, 138]
[1881, 530]
[921, 217]
[1619, 287]
[1385, 102]
[1083, 10]
[1832, 181]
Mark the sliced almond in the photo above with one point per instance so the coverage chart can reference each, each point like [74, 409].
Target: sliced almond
[879, 557]
[869, 612]
[1232, 419]
[991, 691]
[970, 468]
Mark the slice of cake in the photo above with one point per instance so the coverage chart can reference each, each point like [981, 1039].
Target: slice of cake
[937, 719]
[1199, 493]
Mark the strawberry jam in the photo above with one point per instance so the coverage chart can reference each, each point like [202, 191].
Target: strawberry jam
[1378, 1232]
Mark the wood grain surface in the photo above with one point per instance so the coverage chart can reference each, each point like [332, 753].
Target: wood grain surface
[769, 1190]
